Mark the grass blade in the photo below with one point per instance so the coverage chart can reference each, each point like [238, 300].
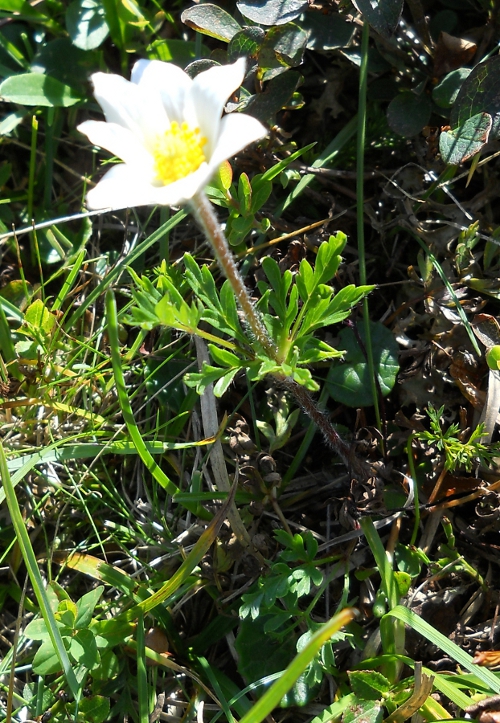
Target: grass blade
[272, 697]
[35, 576]
[446, 645]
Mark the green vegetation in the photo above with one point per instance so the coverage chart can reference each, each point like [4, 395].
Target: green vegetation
[179, 542]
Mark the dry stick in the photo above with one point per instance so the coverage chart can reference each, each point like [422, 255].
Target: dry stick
[210, 429]
[206, 217]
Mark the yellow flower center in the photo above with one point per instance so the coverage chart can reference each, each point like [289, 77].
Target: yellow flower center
[178, 152]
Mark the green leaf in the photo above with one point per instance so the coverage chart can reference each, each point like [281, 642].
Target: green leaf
[305, 280]
[222, 385]
[177, 51]
[38, 89]
[283, 47]
[261, 190]
[493, 357]
[109, 668]
[246, 43]
[278, 92]
[325, 268]
[122, 19]
[86, 24]
[480, 93]
[83, 649]
[244, 194]
[37, 630]
[408, 113]
[302, 692]
[368, 684]
[22, 7]
[271, 12]
[224, 357]
[321, 311]
[314, 350]
[280, 285]
[211, 20]
[86, 605]
[46, 661]
[445, 93]
[328, 258]
[363, 711]
[66, 613]
[460, 144]
[348, 382]
[403, 582]
[239, 228]
[94, 709]
[228, 302]
[40, 317]
[260, 654]
[326, 32]
[383, 15]
[300, 663]
[409, 559]
[62, 60]
[208, 375]
[447, 646]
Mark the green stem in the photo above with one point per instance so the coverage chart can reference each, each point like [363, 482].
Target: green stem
[31, 184]
[128, 415]
[360, 201]
[31, 563]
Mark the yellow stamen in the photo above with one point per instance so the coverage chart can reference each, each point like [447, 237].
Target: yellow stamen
[178, 152]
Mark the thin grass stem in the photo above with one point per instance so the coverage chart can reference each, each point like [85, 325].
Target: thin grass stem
[360, 201]
[31, 182]
[128, 415]
[29, 558]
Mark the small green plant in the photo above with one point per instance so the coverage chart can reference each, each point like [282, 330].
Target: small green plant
[74, 621]
[293, 309]
[458, 453]
[246, 198]
[279, 602]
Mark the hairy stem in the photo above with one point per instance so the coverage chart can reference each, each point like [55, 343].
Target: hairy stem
[205, 215]
[330, 435]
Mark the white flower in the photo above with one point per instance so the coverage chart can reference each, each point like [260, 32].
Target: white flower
[168, 131]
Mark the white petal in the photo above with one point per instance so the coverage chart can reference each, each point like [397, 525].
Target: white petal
[127, 105]
[120, 142]
[172, 83]
[209, 94]
[122, 188]
[181, 191]
[237, 131]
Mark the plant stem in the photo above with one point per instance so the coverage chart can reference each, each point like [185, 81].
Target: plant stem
[205, 215]
[328, 431]
[207, 219]
[360, 169]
